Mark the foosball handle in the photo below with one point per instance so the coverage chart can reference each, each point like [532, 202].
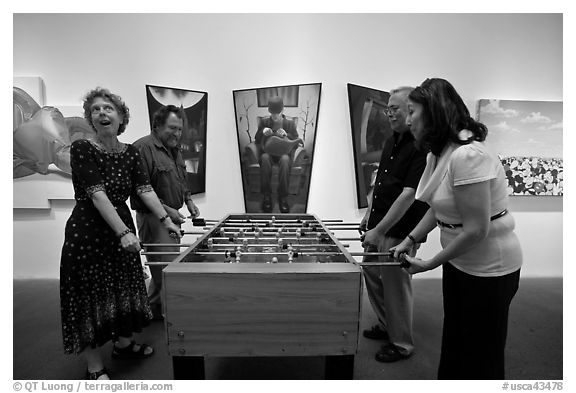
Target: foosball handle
[403, 262]
[198, 222]
[171, 233]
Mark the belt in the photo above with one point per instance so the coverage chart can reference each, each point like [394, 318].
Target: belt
[452, 226]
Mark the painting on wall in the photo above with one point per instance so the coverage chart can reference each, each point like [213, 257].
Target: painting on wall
[527, 137]
[193, 142]
[276, 128]
[370, 130]
[42, 136]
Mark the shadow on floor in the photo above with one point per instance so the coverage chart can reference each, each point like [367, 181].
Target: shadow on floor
[534, 350]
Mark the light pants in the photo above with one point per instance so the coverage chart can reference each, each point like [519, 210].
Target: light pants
[390, 292]
[151, 230]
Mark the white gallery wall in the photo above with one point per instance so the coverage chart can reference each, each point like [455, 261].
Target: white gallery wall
[514, 56]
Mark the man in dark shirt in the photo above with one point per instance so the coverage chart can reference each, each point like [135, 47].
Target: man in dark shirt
[391, 215]
[165, 166]
[275, 126]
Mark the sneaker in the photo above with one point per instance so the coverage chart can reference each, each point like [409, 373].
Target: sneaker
[389, 353]
[376, 333]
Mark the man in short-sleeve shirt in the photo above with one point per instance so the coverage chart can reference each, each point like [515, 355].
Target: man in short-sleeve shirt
[165, 166]
[390, 217]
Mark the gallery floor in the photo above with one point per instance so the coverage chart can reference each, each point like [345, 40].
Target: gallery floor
[534, 350]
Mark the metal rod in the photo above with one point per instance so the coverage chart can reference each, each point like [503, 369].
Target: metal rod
[193, 233]
[343, 223]
[160, 253]
[220, 245]
[348, 238]
[331, 220]
[267, 229]
[297, 221]
[373, 254]
[307, 254]
[307, 235]
[380, 263]
[257, 225]
[165, 245]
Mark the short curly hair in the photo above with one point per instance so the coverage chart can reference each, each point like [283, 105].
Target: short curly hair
[114, 99]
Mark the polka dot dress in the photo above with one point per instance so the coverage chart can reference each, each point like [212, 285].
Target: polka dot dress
[102, 291]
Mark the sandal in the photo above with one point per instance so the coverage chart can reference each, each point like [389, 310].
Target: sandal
[128, 352]
[93, 376]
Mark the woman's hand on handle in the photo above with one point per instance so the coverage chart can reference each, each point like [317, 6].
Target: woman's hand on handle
[130, 242]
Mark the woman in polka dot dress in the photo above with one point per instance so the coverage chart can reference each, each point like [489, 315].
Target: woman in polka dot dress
[102, 291]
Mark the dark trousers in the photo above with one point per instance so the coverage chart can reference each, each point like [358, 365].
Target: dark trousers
[475, 324]
[266, 163]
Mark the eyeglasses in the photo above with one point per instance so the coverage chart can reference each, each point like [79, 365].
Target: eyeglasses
[391, 110]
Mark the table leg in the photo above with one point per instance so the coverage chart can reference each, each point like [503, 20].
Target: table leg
[188, 367]
[339, 367]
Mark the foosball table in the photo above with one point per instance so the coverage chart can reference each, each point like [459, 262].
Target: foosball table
[263, 285]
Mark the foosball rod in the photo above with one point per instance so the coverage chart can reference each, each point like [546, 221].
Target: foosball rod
[343, 228]
[165, 245]
[268, 229]
[228, 235]
[222, 245]
[400, 264]
[240, 225]
[233, 254]
[160, 253]
[257, 220]
[343, 224]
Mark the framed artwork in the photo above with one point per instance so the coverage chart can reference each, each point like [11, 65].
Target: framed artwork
[370, 130]
[41, 140]
[276, 128]
[527, 137]
[193, 142]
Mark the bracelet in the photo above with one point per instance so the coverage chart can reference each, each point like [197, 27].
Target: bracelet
[124, 233]
[412, 239]
[162, 219]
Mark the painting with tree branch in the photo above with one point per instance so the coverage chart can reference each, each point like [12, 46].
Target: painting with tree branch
[276, 129]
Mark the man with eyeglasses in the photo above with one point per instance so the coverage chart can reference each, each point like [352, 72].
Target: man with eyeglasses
[390, 216]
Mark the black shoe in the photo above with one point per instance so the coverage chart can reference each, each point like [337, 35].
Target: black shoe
[390, 353]
[376, 333]
[267, 204]
[156, 312]
[97, 374]
[284, 207]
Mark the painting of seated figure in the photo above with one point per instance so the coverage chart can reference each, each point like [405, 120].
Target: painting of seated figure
[276, 128]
